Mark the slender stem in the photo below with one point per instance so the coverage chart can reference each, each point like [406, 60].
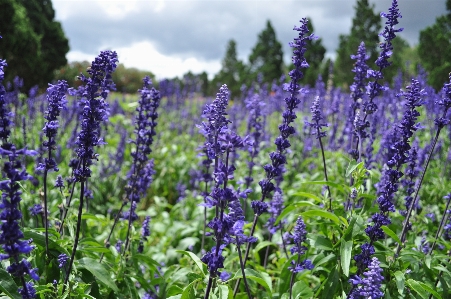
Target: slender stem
[205, 219]
[45, 214]
[77, 233]
[210, 284]
[409, 212]
[112, 228]
[324, 168]
[66, 208]
[440, 226]
[265, 263]
[127, 238]
[248, 249]
[292, 277]
[283, 242]
[242, 271]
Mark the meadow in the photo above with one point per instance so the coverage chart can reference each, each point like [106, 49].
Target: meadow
[289, 191]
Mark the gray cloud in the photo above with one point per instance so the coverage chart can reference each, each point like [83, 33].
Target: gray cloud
[203, 28]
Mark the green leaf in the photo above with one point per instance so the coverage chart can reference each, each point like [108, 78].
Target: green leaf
[195, 259]
[389, 232]
[225, 292]
[99, 271]
[322, 242]
[131, 288]
[330, 286]
[352, 166]
[188, 292]
[323, 214]
[430, 290]
[345, 256]
[301, 290]
[254, 276]
[291, 208]
[330, 184]
[264, 244]
[8, 286]
[399, 276]
[416, 286]
[308, 195]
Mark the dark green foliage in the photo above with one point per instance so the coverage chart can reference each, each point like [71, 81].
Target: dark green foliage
[231, 71]
[33, 43]
[266, 56]
[366, 25]
[127, 80]
[435, 49]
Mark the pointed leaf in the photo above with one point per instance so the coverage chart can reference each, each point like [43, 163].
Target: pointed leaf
[196, 260]
[8, 286]
[99, 272]
[322, 214]
[345, 256]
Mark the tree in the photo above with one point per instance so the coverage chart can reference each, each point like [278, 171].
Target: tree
[434, 49]
[231, 71]
[365, 27]
[266, 57]
[33, 44]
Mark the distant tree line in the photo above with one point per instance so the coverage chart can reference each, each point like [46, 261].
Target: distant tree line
[35, 48]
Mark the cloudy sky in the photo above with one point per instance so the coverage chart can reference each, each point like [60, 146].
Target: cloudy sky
[170, 37]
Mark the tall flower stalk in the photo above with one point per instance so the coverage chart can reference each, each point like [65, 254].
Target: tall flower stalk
[375, 87]
[317, 126]
[93, 100]
[440, 122]
[278, 157]
[10, 232]
[388, 186]
[56, 97]
[142, 170]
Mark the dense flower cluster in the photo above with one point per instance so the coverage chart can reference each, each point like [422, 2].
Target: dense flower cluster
[370, 285]
[145, 232]
[142, 170]
[389, 33]
[358, 86]
[5, 114]
[299, 236]
[278, 158]
[56, 97]
[93, 100]
[10, 233]
[317, 117]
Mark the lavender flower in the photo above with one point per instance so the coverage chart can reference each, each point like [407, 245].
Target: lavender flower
[317, 117]
[10, 233]
[298, 237]
[389, 33]
[358, 86]
[370, 286]
[35, 210]
[62, 260]
[5, 114]
[56, 97]
[145, 232]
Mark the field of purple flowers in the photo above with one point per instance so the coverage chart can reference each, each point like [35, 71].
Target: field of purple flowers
[291, 191]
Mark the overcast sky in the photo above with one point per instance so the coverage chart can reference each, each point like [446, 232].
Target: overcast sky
[171, 37]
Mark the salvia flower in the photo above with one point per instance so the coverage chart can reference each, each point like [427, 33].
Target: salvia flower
[145, 232]
[374, 87]
[275, 207]
[317, 117]
[62, 260]
[35, 210]
[358, 86]
[369, 286]
[5, 114]
[56, 97]
[94, 110]
[299, 236]
[11, 236]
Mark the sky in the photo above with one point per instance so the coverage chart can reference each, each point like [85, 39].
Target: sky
[171, 37]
